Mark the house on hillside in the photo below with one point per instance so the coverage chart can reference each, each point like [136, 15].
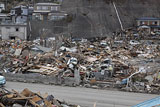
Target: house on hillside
[19, 14]
[5, 18]
[47, 11]
[2, 6]
[150, 23]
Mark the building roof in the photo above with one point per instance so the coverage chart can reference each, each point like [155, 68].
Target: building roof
[13, 24]
[48, 4]
[148, 18]
[4, 15]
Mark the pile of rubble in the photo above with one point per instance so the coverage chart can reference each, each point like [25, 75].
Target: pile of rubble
[28, 98]
[105, 62]
[23, 57]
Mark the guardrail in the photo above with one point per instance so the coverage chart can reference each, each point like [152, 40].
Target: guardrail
[149, 103]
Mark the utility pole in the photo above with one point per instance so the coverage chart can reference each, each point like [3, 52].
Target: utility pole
[6, 4]
[119, 19]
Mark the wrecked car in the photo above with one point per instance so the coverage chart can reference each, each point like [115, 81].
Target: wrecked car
[2, 80]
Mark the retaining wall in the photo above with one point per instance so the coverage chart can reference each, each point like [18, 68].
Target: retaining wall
[37, 78]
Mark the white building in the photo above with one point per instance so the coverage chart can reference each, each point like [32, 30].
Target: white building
[4, 17]
[13, 31]
[2, 6]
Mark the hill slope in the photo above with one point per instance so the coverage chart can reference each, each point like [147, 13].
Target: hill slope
[98, 17]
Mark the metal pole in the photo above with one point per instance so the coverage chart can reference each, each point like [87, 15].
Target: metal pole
[6, 5]
[118, 16]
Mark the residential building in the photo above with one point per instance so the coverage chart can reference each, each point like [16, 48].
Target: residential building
[153, 24]
[19, 14]
[13, 31]
[14, 25]
[149, 21]
[46, 7]
[4, 17]
[2, 6]
[48, 11]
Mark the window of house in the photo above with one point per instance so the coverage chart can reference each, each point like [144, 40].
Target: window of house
[141, 22]
[7, 27]
[54, 18]
[55, 8]
[12, 37]
[44, 7]
[38, 7]
[13, 11]
[17, 29]
[155, 22]
[61, 17]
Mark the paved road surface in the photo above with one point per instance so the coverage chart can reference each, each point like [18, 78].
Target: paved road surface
[84, 96]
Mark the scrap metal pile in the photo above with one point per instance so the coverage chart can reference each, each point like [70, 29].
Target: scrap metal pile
[28, 98]
[100, 61]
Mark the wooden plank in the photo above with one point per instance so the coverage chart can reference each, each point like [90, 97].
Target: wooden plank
[52, 72]
[1, 105]
[22, 98]
[45, 67]
[35, 70]
[20, 95]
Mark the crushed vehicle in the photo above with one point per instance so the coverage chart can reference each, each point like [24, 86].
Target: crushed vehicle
[2, 80]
